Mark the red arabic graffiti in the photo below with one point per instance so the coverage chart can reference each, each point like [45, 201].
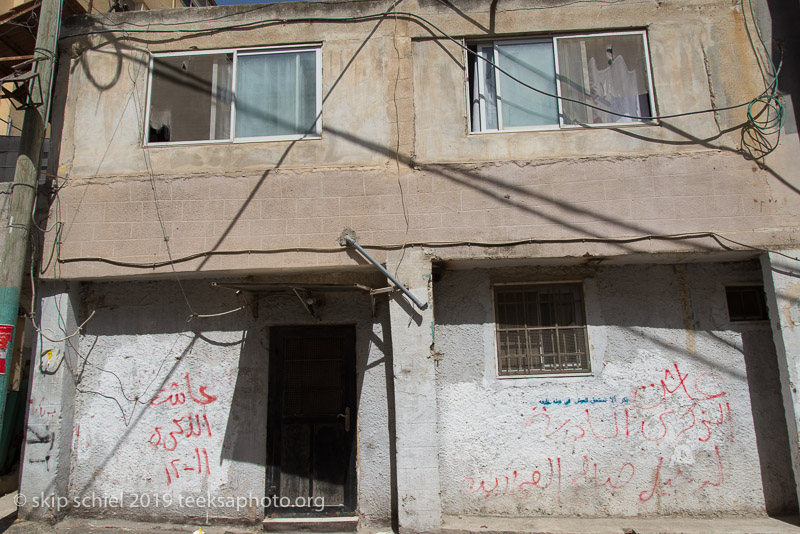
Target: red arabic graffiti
[187, 427]
[659, 487]
[176, 396]
[179, 428]
[592, 474]
[202, 459]
[647, 416]
[623, 476]
[654, 428]
[653, 395]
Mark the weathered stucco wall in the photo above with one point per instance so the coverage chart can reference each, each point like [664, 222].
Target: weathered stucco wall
[106, 93]
[664, 425]
[395, 144]
[694, 50]
[139, 343]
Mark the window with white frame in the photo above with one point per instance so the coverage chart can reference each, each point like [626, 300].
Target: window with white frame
[231, 95]
[540, 329]
[601, 78]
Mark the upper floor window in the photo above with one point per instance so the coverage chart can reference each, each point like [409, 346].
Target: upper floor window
[610, 71]
[541, 329]
[235, 95]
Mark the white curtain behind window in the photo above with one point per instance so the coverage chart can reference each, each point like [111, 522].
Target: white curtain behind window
[614, 88]
[483, 75]
[607, 71]
[276, 94]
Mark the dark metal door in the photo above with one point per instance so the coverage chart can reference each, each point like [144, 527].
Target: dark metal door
[312, 421]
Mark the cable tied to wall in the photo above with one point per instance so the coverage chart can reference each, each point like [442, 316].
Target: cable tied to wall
[765, 113]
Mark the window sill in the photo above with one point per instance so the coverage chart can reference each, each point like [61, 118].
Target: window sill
[548, 375]
[236, 141]
[569, 128]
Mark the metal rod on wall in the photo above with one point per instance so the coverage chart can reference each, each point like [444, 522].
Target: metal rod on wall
[348, 238]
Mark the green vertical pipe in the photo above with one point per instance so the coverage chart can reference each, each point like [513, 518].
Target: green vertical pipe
[26, 175]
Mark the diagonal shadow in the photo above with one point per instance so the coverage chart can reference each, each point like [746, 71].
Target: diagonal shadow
[707, 142]
[284, 155]
[489, 186]
[132, 424]
[476, 182]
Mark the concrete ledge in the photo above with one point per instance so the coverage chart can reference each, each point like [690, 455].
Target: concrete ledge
[620, 525]
[310, 524]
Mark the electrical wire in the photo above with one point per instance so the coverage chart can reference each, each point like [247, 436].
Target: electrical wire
[765, 113]
[62, 339]
[210, 315]
[433, 244]
[397, 146]
[151, 175]
[428, 25]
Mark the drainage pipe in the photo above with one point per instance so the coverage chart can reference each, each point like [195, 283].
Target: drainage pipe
[349, 238]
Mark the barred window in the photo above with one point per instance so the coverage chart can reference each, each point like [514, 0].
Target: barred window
[541, 329]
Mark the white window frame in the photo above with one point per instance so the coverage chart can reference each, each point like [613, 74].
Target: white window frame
[542, 374]
[559, 124]
[481, 79]
[236, 52]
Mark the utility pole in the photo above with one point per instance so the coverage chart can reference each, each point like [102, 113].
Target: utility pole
[23, 190]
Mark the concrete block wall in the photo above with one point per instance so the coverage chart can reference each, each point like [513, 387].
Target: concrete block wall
[678, 416]
[290, 219]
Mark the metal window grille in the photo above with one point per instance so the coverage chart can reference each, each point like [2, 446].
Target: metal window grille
[541, 329]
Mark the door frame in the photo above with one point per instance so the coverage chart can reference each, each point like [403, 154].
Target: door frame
[277, 338]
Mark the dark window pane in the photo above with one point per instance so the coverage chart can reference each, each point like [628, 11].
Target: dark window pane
[190, 98]
[746, 303]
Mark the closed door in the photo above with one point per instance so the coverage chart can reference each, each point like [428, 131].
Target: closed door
[312, 421]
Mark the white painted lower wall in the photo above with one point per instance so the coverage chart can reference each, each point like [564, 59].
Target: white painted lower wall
[663, 425]
[681, 414]
[171, 416]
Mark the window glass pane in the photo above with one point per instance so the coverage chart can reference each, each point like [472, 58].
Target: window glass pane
[276, 94]
[510, 311]
[190, 98]
[608, 71]
[489, 95]
[547, 315]
[532, 63]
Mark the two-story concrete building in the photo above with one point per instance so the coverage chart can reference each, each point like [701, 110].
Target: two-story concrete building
[599, 303]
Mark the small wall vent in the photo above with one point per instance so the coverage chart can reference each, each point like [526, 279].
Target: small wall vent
[746, 303]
